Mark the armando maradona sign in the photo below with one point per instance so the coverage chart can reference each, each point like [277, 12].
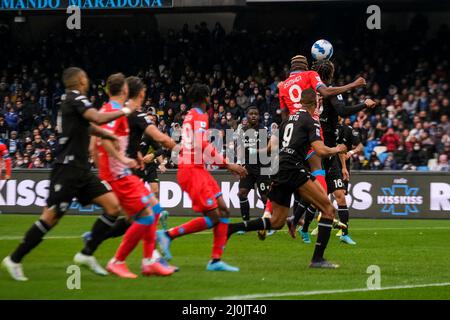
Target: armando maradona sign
[83, 4]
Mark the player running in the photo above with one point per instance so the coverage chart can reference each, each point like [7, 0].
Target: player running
[138, 202]
[297, 135]
[199, 184]
[153, 158]
[332, 108]
[71, 176]
[248, 145]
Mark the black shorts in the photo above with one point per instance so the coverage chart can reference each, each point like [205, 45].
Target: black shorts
[333, 176]
[151, 174]
[253, 178]
[287, 182]
[140, 173]
[68, 182]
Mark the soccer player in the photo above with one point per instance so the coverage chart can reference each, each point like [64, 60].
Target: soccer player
[332, 108]
[248, 144]
[352, 140]
[71, 176]
[199, 183]
[297, 135]
[137, 201]
[290, 94]
[5, 162]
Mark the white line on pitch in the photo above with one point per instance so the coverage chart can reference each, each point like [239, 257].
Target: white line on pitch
[209, 232]
[311, 293]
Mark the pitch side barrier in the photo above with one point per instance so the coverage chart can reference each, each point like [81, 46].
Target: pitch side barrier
[372, 194]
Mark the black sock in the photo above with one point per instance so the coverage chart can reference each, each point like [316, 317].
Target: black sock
[295, 206]
[120, 227]
[215, 260]
[299, 211]
[245, 209]
[325, 226]
[30, 241]
[309, 217]
[252, 225]
[343, 217]
[100, 230]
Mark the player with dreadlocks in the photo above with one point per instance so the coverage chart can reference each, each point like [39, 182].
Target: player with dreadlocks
[332, 108]
[290, 91]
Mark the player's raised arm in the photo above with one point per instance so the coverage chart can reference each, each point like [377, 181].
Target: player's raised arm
[76, 80]
[345, 111]
[333, 91]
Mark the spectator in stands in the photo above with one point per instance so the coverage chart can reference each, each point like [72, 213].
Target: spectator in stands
[416, 158]
[400, 156]
[391, 140]
[4, 128]
[12, 119]
[390, 163]
[442, 164]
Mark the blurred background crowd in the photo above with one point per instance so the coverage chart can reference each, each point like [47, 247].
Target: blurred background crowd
[408, 130]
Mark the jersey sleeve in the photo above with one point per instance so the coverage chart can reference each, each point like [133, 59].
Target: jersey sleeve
[312, 130]
[143, 121]
[282, 96]
[315, 80]
[83, 104]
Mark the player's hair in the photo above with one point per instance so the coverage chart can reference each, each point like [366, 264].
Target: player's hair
[70, 77]
[135, 86]
[325, 69]
[198, 93]
[299, 62]
[308, 98]
[252, 108]
[115, 84]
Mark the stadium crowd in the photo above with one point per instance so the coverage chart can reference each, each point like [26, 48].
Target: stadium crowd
[409, 129]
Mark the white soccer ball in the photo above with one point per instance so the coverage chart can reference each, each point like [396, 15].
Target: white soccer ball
[322, 50]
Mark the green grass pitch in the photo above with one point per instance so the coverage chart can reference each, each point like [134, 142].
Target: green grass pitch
[409, 253]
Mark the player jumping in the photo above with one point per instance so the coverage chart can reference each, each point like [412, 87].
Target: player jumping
[297, 135]
[332, 108]
[199, 184]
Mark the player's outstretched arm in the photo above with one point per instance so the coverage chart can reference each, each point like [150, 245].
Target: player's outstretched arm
[323, 151]
[334, 91]
[92, 115]
[345, 111]
[153, 132]
[97, 131]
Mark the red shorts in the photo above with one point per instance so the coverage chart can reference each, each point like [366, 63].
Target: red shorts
[132, 193]
[201, 187]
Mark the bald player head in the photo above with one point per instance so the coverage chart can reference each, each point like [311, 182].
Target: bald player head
[75, 79]
[299, 63]
[309, 100]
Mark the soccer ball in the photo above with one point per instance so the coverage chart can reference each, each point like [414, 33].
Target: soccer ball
[322, 50]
